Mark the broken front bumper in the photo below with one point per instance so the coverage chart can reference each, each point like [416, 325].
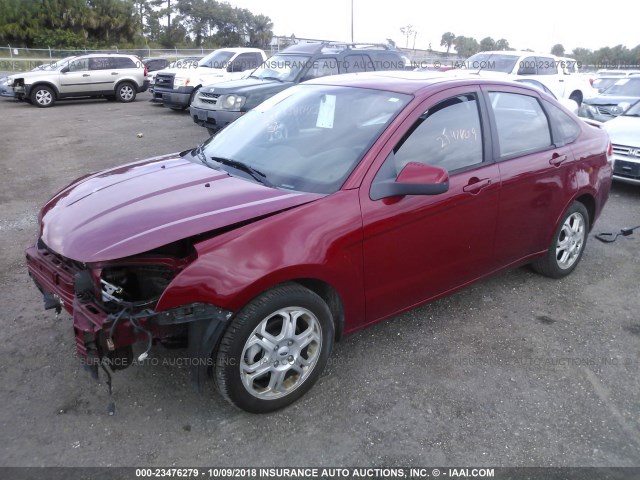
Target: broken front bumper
[102, 335]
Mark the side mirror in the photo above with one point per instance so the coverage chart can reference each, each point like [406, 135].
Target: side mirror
[64, 70]
[414, 179]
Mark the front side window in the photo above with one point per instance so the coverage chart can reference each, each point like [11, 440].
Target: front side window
[322, 67]
[307, 138]
[357, 63]
[100, 63]
[521, 124]
[217, 59]
[79, 65]
[448, 135]
[546, 66]
[284, 68]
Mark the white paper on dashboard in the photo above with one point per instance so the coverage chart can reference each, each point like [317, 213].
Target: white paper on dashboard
[326, 112]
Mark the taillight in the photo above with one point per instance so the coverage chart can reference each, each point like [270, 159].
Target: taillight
[610, 153]
[591, 82]
[146, 70]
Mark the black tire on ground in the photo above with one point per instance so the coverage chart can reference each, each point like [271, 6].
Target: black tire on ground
[567, 245]
[291, 360]
[126, 92]
[42, 96]
[211, 131]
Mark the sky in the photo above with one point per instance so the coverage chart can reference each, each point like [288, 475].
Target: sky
[535, 25]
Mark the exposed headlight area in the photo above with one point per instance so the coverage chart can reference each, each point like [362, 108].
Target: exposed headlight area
[134, 285]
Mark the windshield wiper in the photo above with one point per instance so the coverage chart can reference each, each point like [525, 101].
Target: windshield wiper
[255, 173]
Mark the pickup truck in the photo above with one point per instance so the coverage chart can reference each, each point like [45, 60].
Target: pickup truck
[560, 75]
[215, 107]
[176, 87]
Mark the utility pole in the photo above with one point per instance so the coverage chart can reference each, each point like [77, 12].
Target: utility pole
[351, 21]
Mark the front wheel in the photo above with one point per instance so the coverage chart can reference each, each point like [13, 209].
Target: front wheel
[126, 92]
[275, 349]
[567, 245]
[42, 96]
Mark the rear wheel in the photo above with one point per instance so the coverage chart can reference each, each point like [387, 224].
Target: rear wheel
[126, 92]
[42, 96]
[567, 245]
[275, 349]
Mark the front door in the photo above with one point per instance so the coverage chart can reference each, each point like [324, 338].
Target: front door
[418, 247]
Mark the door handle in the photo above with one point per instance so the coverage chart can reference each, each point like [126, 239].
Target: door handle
[86, 75]
[475, 185]
[561, 81]
[557, 160]
[114, 73]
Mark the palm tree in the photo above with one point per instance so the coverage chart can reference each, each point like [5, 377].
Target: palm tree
[261, 31]
[447, 40]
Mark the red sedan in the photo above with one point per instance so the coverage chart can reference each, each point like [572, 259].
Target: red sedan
[334, 205]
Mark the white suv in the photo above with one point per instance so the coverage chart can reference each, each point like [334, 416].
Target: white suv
[560, 75]
[112, 76]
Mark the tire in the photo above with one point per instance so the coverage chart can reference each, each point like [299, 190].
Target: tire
[212, 132]
[284, 362]
[42, 96]
[126, 92]
[568, 244]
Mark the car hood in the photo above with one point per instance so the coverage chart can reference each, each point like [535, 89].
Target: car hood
[610, 100]
[137, 207]
[249, 86]
[34, 74]
[623, 130]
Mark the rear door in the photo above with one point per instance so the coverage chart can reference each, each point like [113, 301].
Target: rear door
[418, 247]
[534, 169]
[104, 73]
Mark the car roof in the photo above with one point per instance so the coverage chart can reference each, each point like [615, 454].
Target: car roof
[409, 82]
[240, 49]
[521, 53]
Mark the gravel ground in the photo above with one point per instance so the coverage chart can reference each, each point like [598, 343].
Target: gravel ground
[518, 370]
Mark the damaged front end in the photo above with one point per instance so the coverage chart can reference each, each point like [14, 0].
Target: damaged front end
[113, 305]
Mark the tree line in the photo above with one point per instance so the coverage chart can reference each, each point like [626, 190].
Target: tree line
[606, 56]
[125, 23]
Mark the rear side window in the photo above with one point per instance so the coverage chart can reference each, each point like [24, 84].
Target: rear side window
[99, 63]
[387, 61]
[521, 124]
[448, 135]
[123, 62]
[565, 130]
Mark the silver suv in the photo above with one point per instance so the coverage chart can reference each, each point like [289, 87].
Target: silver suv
[112, 76]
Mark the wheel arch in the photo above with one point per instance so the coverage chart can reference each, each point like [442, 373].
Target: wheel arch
[589, 202]
[577, 93]
[44, 83]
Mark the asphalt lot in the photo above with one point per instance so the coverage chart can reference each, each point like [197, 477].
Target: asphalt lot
[518, 370]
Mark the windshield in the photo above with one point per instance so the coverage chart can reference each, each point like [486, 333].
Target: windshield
[626, 87]
[634, 111]
[281, 67]
[603, 83]
[493, 62]
[216, 59]
[307, 138]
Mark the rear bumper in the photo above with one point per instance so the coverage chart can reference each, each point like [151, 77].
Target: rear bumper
[145, 86]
